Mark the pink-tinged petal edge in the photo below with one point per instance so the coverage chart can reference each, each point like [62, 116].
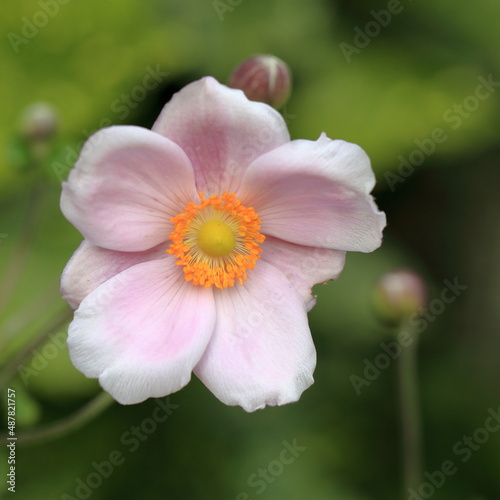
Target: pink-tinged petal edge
[91, 266]
[316, 193]
[221, 131]
[125, 187]
[142, 332]
[303, 266]
[261, 352]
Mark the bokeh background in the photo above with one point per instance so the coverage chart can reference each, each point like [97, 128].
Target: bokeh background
[388, 89]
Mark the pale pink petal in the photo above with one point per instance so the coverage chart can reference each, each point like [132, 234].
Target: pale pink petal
[142, 331]
[315, 193]
[303, 266]
[261, 352]
[125, 187]
[91, 266]
[221, 131]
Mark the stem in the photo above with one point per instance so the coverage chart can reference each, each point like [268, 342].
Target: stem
[410, 415]
[28, 313]
[25, 241]
[9, 370]
[66, 425]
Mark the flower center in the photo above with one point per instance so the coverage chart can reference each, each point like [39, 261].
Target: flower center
[216, 241]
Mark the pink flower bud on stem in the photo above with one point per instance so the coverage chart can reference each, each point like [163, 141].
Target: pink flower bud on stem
[38, 122]
[399, 294]
[37, 127]
[263, 78]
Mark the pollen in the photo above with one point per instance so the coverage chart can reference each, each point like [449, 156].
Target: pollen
[216, 241]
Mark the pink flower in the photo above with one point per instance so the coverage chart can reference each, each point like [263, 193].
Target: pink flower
[203, 238]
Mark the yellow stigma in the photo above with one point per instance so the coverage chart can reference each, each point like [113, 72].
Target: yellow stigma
[216, 239]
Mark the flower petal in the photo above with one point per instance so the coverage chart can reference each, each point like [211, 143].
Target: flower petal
[91, 266]
[142, 331]
[125, 187]
[261, 352]
[303, 266]
[315, 194]
[221, 131]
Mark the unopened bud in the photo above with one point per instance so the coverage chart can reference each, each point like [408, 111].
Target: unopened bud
[38, 122]
[263, 78]
[399, 294]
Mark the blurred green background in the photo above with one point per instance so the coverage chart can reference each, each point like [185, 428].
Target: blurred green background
[390, 76]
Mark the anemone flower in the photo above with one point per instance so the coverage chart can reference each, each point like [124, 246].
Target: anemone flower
[202, 240]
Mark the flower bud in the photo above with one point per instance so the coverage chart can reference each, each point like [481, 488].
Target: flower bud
[263, 78]
[399, 294]
[38, 122]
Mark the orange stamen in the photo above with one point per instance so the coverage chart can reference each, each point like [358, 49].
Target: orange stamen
[202, 268]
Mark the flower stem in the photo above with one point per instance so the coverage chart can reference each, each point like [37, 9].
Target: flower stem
[66, 425]
[24, 243]
[29, 312]
[410, 415]
[9, 370]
